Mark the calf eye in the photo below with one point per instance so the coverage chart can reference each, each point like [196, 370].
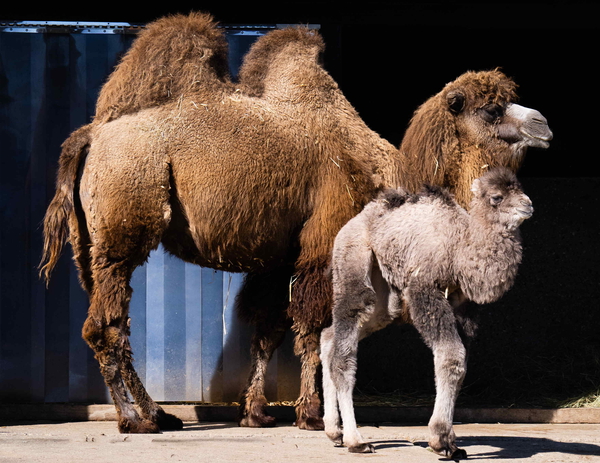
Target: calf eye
[492, 112]
[496, 199]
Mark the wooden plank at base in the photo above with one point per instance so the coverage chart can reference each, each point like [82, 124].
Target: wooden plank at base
[286, 414]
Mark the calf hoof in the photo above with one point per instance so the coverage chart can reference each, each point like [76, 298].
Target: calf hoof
[362, 448]
[258, 421]
[336, 437]
[455, 455]
[458, 454]
[168, 422]
[140, 426]
[310, 423]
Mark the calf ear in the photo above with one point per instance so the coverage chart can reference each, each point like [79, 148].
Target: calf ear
[456, 101]
[476, 187]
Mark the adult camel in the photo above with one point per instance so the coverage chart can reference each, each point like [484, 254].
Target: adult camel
[256, 176]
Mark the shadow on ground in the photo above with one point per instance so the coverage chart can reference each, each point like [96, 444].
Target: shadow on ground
[507, 448]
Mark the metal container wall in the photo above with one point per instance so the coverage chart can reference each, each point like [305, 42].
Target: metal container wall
[187, 341]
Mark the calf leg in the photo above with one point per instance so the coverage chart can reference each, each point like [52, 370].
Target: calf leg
[331, 416]
[433, 317]
[342, 369]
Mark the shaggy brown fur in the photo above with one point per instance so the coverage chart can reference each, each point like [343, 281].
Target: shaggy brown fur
[173, 137]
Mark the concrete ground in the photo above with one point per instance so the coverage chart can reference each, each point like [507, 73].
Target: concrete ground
[213, 442]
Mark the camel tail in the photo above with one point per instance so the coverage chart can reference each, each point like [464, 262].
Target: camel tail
[62, 206]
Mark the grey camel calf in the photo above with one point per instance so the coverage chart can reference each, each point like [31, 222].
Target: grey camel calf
[419, 258]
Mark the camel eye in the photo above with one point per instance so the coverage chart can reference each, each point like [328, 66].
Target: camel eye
[492, 112]
[496, 199]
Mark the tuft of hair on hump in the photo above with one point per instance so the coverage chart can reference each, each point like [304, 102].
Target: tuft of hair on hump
[394, 198]
[437, 192]
[171, 56]
[255, 65]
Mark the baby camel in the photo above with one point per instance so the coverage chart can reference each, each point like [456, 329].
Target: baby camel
[419, 259]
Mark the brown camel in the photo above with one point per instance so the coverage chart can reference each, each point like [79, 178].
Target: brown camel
[254, 177]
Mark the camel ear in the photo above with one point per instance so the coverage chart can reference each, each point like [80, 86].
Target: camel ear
[476, 186]
[456, 101]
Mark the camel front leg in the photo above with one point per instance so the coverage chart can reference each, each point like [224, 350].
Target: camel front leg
[450, 369]
[434, 319]
[308, 405]
[262, 302]
[253, 402]
[310, 309]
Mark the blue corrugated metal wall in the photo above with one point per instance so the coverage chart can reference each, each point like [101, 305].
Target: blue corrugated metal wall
[187, 342]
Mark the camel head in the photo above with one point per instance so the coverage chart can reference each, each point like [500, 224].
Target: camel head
[472, 125]
[498, 198]
[486, 115]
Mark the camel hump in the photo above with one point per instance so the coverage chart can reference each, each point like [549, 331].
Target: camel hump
[299, 42]
[172, 56]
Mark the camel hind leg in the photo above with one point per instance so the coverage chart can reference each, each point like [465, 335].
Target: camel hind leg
[339, 374]
[106, 331]
[354, 306]
[149, 409]
[124, 222]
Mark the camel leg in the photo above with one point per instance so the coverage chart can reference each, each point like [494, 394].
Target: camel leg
[253, 403]
[106, 332]
[342, 368]
[433, 317]
[331, 415]
[262, 301]
[308, 405]
[149, 409]
[354, 306]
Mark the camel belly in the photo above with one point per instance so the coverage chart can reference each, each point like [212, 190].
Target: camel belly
[224, 244]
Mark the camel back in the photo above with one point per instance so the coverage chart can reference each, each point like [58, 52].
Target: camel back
[172, 56]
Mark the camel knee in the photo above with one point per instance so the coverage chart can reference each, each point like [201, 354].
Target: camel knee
[100, 337]
[451, 363]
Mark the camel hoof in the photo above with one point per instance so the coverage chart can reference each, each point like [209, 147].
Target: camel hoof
[141, 426]
[362, 448]
[168, 422]
[458, 454]
[310, 424]
[258, 421]
[336, 437]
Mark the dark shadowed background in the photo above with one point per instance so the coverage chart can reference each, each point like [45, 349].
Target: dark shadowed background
[540, 343]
